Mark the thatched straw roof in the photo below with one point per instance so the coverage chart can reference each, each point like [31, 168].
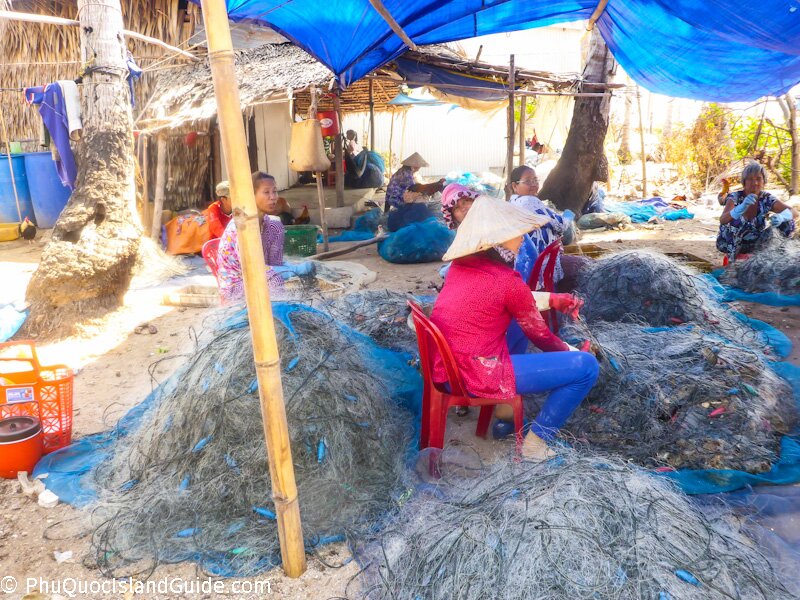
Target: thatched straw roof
[34, 54]
[268, 73]
[275, 72]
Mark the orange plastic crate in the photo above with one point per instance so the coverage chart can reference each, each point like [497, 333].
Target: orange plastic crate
[44, 392]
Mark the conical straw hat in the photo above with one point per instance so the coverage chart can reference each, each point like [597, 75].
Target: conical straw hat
[491, 222]
[415, 161]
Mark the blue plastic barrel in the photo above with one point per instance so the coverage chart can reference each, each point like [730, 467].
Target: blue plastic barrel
[48, 194]
[8, 205]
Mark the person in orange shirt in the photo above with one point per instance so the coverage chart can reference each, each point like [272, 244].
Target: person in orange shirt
[219, 213]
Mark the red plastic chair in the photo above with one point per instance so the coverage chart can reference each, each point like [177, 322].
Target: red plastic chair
[209, 253]
[551, 252]
[437, 401]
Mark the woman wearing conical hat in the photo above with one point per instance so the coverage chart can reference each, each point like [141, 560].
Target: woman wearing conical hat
[481, 295]
[403, 191]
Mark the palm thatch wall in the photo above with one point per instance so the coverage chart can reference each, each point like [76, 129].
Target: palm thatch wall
[35, 54]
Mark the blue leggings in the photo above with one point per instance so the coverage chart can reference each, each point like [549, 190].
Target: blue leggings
[568, 376]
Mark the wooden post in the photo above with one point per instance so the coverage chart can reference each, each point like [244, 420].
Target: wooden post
[161, 186]
[522, 118]
[641, 142]
[259, 308]
[371, 117]
[510, 126]
[147, 217]
[391, 139]
[338, 152]
[322, 218]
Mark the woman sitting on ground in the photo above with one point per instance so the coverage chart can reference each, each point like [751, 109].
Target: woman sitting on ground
[403, 192]
[743, 224]
[480, 297]
[524, 186]
[229, 274]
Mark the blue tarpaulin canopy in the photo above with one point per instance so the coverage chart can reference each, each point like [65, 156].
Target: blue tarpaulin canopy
[722, 50]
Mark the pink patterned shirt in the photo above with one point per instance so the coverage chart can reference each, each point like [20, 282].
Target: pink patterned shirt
[229, 274]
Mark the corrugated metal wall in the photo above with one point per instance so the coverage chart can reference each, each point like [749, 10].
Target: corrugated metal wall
[449, 138]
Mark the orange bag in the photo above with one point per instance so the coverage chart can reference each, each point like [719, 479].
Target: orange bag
[187, 233]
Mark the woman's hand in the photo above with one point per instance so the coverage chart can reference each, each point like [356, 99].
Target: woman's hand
[409, 197]
[566, 303]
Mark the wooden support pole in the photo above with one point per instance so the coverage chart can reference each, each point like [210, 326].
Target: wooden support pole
[348, 249]
[371, 117]
[391, 139]
[338, 152]
[641, 142]
[147, 216]
[161, 186]
[522, 117]
[323, 219]
[387, 16]
[510, 126]
[259, 308]
[34, 18]
[598, 12]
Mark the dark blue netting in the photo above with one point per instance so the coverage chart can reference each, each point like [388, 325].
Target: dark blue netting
[785, 471]
[417, 243]
[714, 50]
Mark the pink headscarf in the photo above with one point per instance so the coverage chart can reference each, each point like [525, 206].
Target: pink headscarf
[450, 197]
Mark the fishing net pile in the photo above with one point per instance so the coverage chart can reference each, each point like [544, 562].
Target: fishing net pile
[773, 268]
[425, 241]
[642, 286]
[575, 527]
[683, 398]
[380, 314]
[191, 483]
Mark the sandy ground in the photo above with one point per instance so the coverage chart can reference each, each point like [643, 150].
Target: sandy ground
[117, 368]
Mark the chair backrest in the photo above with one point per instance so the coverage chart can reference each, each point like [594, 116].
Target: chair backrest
[551, 253]
[429, 337]
[209, 253]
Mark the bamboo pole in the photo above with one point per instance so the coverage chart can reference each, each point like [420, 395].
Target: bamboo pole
[641, 142]
[371, 118]
[34, 18]
[10, 163]
[161, 186]
[262, 328]
[323, 219]
[394, 25]
[338, 152]
[510, 125]
[522, 117]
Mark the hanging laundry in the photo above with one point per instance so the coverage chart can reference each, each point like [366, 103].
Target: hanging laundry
[53, 110]
[134, 73]
[72, 101]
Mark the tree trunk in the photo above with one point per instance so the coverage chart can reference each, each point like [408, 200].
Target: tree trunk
[584, 161]
[794, 132]
[86, 267]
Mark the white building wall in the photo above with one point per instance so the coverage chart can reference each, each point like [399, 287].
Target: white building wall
[273, 125]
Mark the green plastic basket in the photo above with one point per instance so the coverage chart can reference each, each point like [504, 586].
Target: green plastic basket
[300, 240]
